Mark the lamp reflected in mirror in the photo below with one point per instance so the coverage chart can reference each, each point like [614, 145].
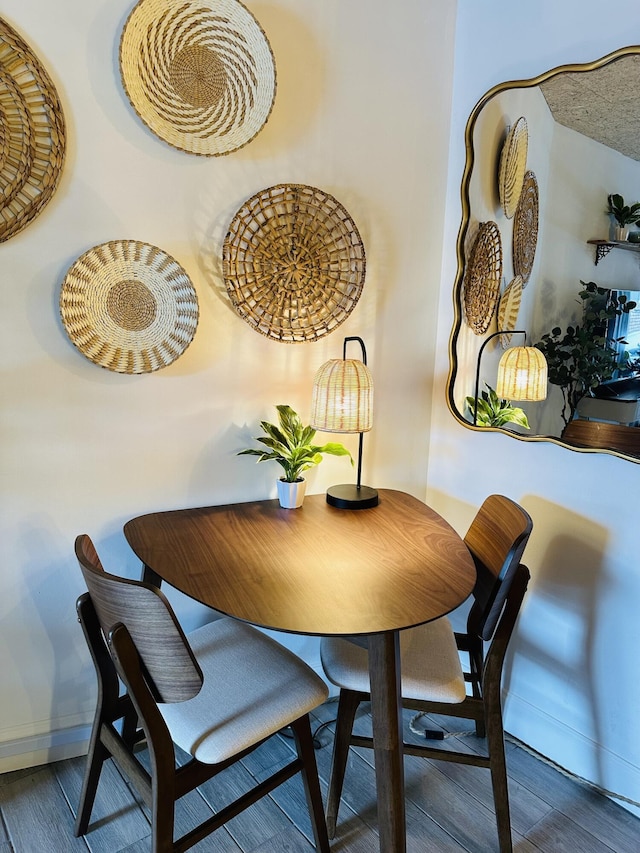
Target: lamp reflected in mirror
[342, 401]
[522, 373]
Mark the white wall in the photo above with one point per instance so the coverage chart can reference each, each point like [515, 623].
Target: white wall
[362, 111]
[572, 694]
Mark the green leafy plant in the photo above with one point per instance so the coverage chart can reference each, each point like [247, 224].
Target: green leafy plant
[290, 444]
[582, 358]
[622, 213]
[494, 412]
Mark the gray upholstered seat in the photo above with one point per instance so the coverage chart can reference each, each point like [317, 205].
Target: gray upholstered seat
[436, 675]
[252, 688]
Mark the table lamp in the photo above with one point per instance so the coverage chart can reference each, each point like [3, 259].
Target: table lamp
[522, 373]
[342, 401]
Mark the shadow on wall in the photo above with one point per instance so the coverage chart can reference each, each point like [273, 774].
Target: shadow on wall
[552, 660]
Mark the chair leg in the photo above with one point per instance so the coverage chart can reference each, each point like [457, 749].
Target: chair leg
[495, 744]
[301, 729]
[96, 757]
[347, 707]
[107, 710]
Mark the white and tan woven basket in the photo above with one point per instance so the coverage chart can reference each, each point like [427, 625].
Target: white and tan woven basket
[199, 73]
[508, 308]
[293, 263]
[129, 306]
[32, 134]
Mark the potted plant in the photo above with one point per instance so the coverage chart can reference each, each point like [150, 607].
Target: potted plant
[624, 215]
[494, 412]
[582, 358]
[290, 445]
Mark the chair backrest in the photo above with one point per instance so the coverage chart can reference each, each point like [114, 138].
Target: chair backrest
[496, 539]
[168, 663]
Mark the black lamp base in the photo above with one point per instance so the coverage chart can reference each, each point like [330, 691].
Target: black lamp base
[350, 496]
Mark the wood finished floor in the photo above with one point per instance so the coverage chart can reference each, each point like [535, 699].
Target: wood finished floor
[449, 807]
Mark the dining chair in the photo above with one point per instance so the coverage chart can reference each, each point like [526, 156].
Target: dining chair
[432, 676]
[217, 694]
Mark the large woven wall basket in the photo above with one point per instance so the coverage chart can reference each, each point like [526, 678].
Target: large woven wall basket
[32, 134]
[199, 73]
[129, 307]
[293, 263]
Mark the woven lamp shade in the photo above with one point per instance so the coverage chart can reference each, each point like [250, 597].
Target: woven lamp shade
[522, 375]
[342, 398]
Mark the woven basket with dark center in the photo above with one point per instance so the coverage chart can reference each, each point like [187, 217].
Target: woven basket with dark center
[32, 134]
[199, 73]
[525, 228]
[482, 277]
[293, 263]
[129, 307]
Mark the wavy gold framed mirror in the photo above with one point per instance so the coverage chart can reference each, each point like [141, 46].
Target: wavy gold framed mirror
[583, 124]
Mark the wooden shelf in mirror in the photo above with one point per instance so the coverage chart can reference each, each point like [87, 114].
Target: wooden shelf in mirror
[603, 247]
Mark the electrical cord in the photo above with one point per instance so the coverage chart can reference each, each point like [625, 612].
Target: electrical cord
[439, 734]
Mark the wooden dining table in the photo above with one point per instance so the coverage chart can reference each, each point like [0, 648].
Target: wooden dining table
[320, 570]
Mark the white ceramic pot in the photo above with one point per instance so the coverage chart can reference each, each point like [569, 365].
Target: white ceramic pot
[621, 232]
[291, 495]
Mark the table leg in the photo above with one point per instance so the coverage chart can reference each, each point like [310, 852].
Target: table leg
[149, 576]
[386, 710]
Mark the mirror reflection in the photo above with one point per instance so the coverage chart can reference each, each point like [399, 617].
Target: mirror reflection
[553, 164]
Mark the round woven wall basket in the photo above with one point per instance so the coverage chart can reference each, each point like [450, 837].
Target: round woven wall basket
[129, 307]
[199, 73]
[32, 134]
[508, 308]
[482, 277]
[525, 228]
[513, 162]
[293, 263]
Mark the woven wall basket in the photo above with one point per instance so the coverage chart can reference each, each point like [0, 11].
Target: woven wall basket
[129, 307]
[482, 277]
[32, 134]
[508, 308]
[513, 162]
[199, 73]
[525, 228]
[293, 263]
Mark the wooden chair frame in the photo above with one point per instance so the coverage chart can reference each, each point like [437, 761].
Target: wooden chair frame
[496, 539]
[116, 660]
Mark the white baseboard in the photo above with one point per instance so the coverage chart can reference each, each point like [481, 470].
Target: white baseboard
[44, 748]
[572, 750]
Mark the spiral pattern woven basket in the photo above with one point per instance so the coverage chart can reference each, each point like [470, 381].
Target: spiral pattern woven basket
[293, 263]
[129, 306]
[32, 134]
[199, 73]
[513, 162]
[482, 277]
[525, 228]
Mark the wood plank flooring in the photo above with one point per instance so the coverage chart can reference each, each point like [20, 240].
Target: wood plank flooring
[449, 806]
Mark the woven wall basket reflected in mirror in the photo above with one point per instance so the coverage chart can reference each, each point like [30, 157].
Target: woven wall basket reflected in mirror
[129, 306]
[32, 134]
[199, 73]
[293, 263]
[508, 308]
[525, 228]
[482, 277]
[513, 163]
